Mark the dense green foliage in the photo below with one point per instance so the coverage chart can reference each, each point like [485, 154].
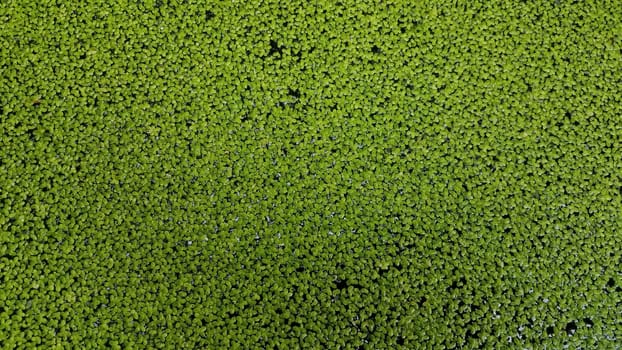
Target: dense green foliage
[321, 174]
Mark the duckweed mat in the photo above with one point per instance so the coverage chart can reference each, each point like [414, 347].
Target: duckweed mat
[310, 174]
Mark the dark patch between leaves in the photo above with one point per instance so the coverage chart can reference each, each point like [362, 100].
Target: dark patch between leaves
[400, 340]
[571, 328]
[341, 284]
[588, 322]
[471, 334]
[275, 48]
[293, 92]
[550, 330]
[10, 223]
[31, 134]
[455, 284]
[382, 271]
[294, 324]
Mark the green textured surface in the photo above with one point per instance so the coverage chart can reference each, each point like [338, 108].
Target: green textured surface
[310, 175]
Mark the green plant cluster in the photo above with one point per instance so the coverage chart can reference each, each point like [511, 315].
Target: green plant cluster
[183, 174]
